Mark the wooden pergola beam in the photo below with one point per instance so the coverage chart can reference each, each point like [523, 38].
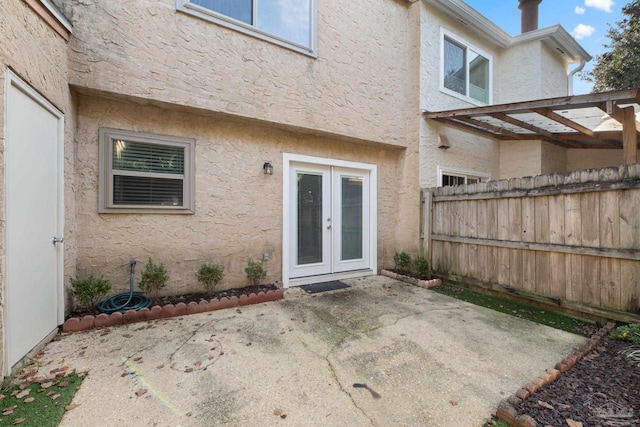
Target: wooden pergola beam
[491, 127]
[552, 115]
[548, 136]
[629, 136]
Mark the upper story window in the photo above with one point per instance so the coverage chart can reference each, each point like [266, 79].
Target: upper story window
[290, 23]
[145, 173]
[466, 71]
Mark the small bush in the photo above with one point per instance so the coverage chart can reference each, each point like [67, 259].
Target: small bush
[90, 290]
[154, 278]
[421, 267]
[255, 272]
[402, 261]
[630, 332]
[209, 275]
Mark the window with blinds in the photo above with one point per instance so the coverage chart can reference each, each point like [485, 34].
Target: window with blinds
[145, 173]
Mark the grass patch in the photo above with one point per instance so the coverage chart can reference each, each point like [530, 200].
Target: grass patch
[524, 311]
[38, 404]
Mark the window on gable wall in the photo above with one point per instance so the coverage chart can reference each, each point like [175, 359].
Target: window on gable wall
[290, 23]
[145, 173]
[466, 71]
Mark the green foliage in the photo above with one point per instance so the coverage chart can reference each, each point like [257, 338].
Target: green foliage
[421, 267]
[255, 272]
[618, 68]
[89, 290]
[45, 410]
[402, 261]
[630, 332]
[209, 275]
[154, 278]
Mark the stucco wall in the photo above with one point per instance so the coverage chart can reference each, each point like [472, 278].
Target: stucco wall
[32, 50]
[520, 158]
[468, 151]
[356, 87]
[554, 159]
[238, 208]
[554, 79]
[593, 159]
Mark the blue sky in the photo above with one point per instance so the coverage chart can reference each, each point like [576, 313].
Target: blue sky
[586, 20]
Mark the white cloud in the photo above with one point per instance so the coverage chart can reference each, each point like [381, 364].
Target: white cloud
[604, 5]
[582, 31]
[580, 10]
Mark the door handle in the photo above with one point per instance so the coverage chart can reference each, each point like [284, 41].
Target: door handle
[58, 240]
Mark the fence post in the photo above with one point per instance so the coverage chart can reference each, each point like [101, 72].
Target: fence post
[426, 199]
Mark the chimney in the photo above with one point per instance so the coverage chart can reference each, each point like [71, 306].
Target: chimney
[529, 20]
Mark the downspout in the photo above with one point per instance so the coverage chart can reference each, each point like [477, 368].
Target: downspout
[571, 74]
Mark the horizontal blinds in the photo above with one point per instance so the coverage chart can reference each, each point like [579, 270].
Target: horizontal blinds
[142, 157]
[145, 174]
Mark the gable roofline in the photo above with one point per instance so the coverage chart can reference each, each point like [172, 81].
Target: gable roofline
[555, 36]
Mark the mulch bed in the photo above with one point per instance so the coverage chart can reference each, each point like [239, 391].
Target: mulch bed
[196, 297]
[601, 390]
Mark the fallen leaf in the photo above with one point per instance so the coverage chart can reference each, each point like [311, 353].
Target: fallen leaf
[198, 363]
[2, 397]
[545, 404]
[211, 357]
[14, 392]
[137, 359]
[453, 403]
[141, 392]
[82, 353]
[55, 396]
[159, 366]
[50, 393]
[63, 383]
[127, 335]
[277, 412]
[29, 399]
[70, 407]
[46, 385]
[23, 393]
[188, 370]
[18, 420]
[573, 423]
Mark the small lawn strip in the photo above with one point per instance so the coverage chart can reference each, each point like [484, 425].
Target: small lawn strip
[524, 311]
[38, 404]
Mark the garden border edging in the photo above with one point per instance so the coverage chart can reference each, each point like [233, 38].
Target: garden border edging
[412, 280]
[84, 323]
[507, 412]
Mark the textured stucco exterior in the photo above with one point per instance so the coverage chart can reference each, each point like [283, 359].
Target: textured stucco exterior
[34, 52]
[238, 208]
[357, 86]
[520, 158]
[244, 101]
[592, 159]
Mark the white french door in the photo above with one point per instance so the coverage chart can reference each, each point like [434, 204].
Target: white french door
[330, 219]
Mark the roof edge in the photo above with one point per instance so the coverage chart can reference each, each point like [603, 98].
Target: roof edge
[558, 38]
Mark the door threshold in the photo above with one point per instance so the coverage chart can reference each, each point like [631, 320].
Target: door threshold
[298, 281]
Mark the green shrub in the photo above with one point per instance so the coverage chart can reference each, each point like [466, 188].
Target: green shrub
[421, 267]
[255, 272]
[402, 261]
[90, 290]
[209, 275]
[154, 278]
[630, 332]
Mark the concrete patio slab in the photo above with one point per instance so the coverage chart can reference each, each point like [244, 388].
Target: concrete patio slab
[427, 360]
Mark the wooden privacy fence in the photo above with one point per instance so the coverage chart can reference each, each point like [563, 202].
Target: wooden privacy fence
[571, 240]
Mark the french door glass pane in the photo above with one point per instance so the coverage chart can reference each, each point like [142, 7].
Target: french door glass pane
[236, 9]
[309, 218]
[351, 218]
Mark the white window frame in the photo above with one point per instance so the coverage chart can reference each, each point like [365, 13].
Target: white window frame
[209, 15]
[444, 170]
[105, 183]
[447, 34]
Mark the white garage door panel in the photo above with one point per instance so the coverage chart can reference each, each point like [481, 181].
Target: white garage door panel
[32, 197]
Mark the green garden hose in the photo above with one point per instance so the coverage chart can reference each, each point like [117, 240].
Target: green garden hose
[125, 301]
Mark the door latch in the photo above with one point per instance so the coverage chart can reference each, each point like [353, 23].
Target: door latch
[58, 240]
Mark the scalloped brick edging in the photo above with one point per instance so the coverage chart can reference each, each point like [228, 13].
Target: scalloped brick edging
[417, 282]
[76, 324]
[506, 409]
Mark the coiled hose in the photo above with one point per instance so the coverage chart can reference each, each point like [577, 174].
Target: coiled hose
[125, 300]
